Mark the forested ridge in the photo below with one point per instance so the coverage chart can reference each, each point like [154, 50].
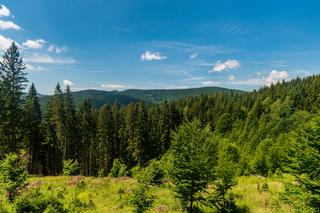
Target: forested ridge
[273, 130]
[154, 96]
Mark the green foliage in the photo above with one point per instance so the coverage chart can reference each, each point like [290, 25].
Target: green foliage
[118, 169]
[306, 161]
[12, 175]
[265, 187]
[152, 174]
[190, 171]
[36, 201]
[224, 124]
[80, 202]
[260, 163]
[99, 98]
[141, 198]
[222, 198]
[32, 136]
[12, 84]
[71, 167]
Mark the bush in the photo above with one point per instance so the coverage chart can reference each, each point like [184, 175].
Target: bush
[35, 201]
[12, 175]
[141, 198]
[152, 174]
[118, 169]
[71, 167]
[80, 202]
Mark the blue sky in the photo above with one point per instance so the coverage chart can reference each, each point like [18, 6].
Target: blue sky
[145, 44]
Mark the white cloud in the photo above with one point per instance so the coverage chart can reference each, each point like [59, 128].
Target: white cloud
[4, 11]
[34, 68]
[34, 44]
[232, 78]
[152, 56]
[5, 42]
[275, 76]
[54, 48]
[210, 83]
[221, 66]
[67, 82]
[6, 25]
[46, 59]
[193, 56]
[115, 86]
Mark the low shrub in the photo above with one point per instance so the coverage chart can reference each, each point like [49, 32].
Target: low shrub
[141, 199]
[35, 201]
[118, 169]
[152, 174]
[71, 167]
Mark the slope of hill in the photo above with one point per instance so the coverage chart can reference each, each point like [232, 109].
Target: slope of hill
[100, 97]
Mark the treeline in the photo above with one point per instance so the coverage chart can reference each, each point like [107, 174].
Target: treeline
[263, 130]
[134, 134]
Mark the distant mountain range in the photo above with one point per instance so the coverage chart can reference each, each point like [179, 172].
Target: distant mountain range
[100, 97]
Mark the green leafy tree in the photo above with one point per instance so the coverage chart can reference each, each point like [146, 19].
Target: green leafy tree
[12, 175]
[190, 163]
[12, 84]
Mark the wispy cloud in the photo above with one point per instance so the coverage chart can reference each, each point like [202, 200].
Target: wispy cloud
[152, 56]
[46, 59]
[34, 44]
[56, 49]
[250, 82]
[193, 56]
[190, 48]
[273, 77]
[8, 25]
[113, 86]
[4, 11]
[231, 78]
[210, 83]
[35, 68]
[194, 78]
[221, 66]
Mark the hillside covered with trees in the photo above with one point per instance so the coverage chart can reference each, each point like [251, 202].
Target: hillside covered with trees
[199, 144]
[98, 97]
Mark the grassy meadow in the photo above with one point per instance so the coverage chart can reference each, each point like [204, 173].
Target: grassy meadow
[112, 194]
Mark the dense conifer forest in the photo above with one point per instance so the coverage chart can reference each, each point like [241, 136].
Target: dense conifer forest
[192, 142]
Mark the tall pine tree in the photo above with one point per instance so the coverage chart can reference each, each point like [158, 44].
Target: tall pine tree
[32, 121]
[13, 82]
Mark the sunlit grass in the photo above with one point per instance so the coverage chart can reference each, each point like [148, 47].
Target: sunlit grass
[111, 194]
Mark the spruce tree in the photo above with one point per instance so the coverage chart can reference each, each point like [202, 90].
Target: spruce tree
[12, 84]
[105, 139]
[54, 133]
[190, 163]
[87, 128]
[32, 121]
[71, 145]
